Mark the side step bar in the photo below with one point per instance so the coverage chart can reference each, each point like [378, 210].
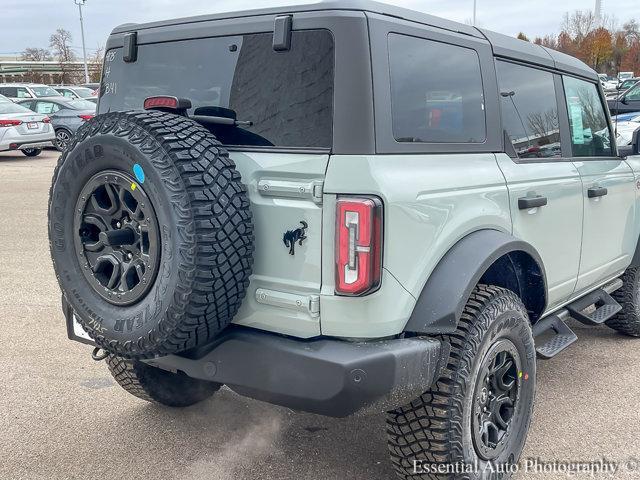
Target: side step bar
[605, 307]
[562, 338]
[559, 335]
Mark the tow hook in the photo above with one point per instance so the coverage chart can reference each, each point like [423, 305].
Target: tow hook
[97, 356]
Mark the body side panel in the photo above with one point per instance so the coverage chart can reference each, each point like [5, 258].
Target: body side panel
[430, 203]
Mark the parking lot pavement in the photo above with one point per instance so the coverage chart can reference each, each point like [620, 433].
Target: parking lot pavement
[62, 417]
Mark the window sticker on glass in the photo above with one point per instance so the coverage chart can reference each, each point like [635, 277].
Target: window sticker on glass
[576, 119]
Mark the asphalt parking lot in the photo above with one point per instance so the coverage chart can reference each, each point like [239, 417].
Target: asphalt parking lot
[62, 417]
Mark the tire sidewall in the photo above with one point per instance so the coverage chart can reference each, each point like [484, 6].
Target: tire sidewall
[510, 323]
[123, 325]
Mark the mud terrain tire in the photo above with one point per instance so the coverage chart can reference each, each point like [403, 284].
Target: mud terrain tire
[166, 191]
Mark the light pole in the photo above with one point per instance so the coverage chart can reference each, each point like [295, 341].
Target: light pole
[475, 5]
[80, 4]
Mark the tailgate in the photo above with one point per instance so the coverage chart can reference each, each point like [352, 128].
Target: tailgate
[285, 189]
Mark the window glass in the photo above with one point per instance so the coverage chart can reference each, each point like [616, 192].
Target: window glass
[436, 92]
[288, 96]
[47, 107]
[23, 93]
[9, 92]
[634, 93]
[529, 110]
[45, 92]
[67, 93]
[590, 134]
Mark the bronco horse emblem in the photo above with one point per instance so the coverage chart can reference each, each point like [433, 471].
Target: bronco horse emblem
[292, 236]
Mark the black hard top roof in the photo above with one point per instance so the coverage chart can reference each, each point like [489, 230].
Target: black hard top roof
[503, 45]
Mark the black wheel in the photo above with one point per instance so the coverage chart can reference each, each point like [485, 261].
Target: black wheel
[159, 386]
[628, 320]
[480, 410]
[150, 232]
[63, 137]
[32, 152]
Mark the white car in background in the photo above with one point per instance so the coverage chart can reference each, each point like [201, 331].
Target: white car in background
[22, 129]
[625, 125]
[18, 91]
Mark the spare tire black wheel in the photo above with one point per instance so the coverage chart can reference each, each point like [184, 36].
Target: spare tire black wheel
[150, 232]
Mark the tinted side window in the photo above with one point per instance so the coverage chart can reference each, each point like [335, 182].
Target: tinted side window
[634, 93]
[590, 134]
[288, 96]
[436, 92]
[529, 110]
[9, 92]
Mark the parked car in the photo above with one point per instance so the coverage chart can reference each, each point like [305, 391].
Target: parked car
[622, 87]
[626, 102]
[625, 127]
[17, 91]
[317, 217]
[22, 129]
[66, 115]
[77, 93]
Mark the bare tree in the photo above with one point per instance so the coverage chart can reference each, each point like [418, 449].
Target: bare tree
[60, 42]
[36, 54]
[33, 54]
[522, 36]
[97, 59]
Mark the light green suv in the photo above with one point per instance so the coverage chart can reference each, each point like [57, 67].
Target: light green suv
[347, 207]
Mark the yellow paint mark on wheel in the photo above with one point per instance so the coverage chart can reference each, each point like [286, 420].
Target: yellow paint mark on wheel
[133, 186]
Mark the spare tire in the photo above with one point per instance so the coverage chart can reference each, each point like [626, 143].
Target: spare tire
[150, 232]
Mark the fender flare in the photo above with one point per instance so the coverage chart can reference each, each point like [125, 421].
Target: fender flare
[444, 296]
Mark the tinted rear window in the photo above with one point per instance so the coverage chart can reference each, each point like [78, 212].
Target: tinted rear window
[436, 92]
[287, 95]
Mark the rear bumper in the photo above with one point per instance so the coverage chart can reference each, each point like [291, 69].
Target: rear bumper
[324, 376]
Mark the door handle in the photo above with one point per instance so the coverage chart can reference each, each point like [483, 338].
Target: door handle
[525, 203]
[596, 192]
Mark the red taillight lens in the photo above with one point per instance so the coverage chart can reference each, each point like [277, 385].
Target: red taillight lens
[46, 120]
[160, 102]
[86, 118]
[10, 123]
[358, 245]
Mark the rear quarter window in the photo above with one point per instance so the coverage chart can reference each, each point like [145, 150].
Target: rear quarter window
[288, 96]
[436, 92]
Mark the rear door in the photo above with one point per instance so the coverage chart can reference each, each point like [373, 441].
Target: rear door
[283, 101]
[545, 190]
[609, 189]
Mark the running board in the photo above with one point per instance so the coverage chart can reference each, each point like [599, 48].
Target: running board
[562, 336]
[605, 308]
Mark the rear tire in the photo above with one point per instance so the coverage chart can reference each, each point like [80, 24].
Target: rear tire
[32, 152]
[63, 138]
[492, 359]
[627, 321]
[159, 386]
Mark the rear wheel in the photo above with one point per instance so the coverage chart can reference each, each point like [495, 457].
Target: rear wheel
[159, 386]
[32, 152]
[627, 321]
[478, 413]
[63, 137]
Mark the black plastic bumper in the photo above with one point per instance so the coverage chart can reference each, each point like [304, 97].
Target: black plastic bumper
[324, 376]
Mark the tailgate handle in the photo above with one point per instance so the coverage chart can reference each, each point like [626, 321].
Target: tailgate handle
[311, 190]
[597, 192]
[524, 203]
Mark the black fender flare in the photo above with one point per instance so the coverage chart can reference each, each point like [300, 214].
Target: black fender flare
[444, 296]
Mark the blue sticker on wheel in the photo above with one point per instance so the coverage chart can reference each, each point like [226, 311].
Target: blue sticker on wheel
[138, 172]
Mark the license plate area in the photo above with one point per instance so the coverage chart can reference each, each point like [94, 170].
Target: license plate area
[75, 331]
[32, 125]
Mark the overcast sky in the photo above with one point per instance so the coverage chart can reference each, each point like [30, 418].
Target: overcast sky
[29, 23]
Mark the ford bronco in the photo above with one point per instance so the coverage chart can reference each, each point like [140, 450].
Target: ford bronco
[347, 208]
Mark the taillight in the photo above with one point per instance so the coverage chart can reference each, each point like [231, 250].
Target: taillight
[358, 245]
[160, 102]
[10, 123]
[86, 118]
[46, 120]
